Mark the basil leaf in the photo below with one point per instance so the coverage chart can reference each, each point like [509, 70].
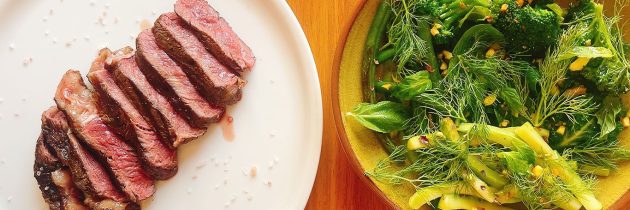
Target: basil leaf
[412, 86]
[383, 117]
[511, 97]
[607, 114]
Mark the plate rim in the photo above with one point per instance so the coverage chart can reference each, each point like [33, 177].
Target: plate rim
[316, 95]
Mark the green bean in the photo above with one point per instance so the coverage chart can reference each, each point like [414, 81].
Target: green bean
[386, 55]
[424, 32]
[373, 42]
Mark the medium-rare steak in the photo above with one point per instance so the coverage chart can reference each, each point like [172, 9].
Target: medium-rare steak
[154, 107]
[119, 113]
[216, 34]
[88, 174]
[76, 101]
[214, 80]
[45, 164]
[171, 81]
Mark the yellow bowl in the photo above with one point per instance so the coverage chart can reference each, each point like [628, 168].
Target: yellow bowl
[364, 151]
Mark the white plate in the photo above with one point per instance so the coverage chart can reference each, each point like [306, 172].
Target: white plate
[278, 123]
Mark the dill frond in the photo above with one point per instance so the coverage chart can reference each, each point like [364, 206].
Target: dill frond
[410, 47]
[553, 71]
[600, 152]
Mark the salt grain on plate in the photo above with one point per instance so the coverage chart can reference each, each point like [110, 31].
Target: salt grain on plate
[268, 183]
[68, 44]
[11, 47]
[253, 172]
[9, 199]
[189, 191]
[45, 19]
[54, 41]
[27, 61]
[201, 165]
[46, 33]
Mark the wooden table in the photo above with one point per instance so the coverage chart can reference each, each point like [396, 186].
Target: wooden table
[336, 185]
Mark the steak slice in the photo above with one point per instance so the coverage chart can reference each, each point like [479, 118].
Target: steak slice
[88, 174]
[216, 34]
[76, 101]
[171, 81]
[156, 109]
[215, 81]
[53, 180]
[119, 114]
[45, 164]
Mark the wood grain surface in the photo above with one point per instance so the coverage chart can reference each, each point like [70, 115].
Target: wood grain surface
[336, 185]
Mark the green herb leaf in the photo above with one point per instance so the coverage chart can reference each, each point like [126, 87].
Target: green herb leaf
[383, 117]
[512, 98]
[412, 86]
[587, 52]
[607, 114]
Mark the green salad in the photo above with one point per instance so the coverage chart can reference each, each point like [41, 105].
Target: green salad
[495, 104]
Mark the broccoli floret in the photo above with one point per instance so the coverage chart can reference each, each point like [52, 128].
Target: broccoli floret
[529, 29]
[454, 13]
[609, 74]
[522, 24]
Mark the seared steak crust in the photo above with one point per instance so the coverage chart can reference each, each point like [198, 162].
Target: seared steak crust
[45, 164]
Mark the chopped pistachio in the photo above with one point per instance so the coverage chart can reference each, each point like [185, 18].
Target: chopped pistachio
[579, 64]
[537, 171]
[490, 99]
[561, 130]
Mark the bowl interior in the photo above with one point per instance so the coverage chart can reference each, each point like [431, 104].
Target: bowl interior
[365, 151]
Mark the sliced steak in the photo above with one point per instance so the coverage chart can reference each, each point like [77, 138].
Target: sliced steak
[171, 81]
[154, 107]
[214, 80]
[88, 174]
[119, 113]
[53, 180]
[45, 164]
[216, 34]
[76, 101]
